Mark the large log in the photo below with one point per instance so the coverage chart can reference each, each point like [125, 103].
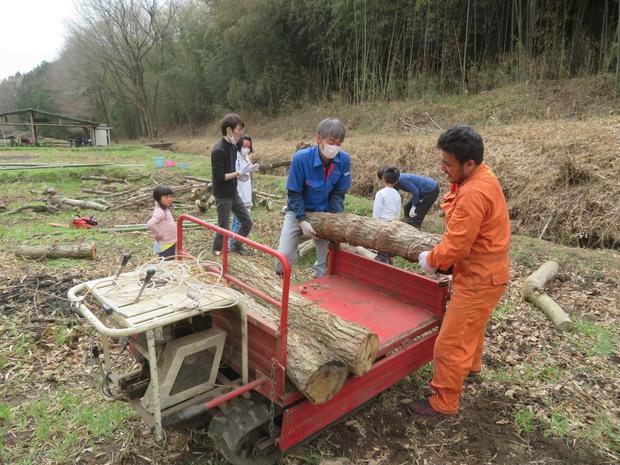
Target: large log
[342, 340]
[532, 292]
[309, 366]
[83, 250]
[391, 237]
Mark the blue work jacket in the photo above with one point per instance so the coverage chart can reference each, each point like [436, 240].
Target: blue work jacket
[416, 185]
[314, 187]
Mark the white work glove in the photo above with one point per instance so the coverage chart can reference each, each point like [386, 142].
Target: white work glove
[307, 229]
[412, 213]
[254, 167]
[424, 264]
[243, 177]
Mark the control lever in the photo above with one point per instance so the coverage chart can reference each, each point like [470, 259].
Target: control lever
[126, 257]
[149, 275]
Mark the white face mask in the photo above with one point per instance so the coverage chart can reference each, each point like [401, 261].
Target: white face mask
[330, 151]
[245, 151]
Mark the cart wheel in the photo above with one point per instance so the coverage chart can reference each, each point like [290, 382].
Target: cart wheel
[240, 432]
[247, 452]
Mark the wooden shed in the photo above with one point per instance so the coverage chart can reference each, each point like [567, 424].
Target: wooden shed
[97, 133]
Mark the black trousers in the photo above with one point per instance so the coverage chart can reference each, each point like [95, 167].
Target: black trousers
[224, 208]
[425, 202]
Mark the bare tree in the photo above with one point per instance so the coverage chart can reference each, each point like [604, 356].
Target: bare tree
[124, 40]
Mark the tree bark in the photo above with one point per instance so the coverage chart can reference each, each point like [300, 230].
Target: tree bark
[58, 251]
[342, 340]
[532, 292]
[309, 366]
[393, 237]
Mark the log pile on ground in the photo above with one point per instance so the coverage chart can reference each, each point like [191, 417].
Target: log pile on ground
[532, 292]
[190, 193]
[323, 348]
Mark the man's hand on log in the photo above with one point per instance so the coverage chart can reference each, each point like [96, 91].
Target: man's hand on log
[307, 229]
[424, 264]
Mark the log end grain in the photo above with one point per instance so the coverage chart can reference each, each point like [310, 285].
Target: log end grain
[325, 382]
[366, 355]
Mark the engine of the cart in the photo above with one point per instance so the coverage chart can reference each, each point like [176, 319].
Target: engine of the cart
[198, 356]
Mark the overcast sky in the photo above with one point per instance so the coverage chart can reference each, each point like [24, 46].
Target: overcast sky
[31, 31]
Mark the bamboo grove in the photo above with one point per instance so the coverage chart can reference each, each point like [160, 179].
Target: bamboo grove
[143, 65]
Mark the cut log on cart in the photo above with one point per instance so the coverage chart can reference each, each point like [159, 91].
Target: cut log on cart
[392, 237]
[343, 340]
[532, 292]
[84, 250]
[310, 367]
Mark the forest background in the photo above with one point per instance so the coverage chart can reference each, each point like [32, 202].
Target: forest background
[149, 66]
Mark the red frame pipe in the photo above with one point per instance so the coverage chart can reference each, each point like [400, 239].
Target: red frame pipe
[235, 393]
[281, 351]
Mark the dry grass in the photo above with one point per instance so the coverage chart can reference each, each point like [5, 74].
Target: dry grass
[559, 173]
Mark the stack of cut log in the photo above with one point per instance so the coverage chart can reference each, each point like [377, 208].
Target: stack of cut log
[323, 349]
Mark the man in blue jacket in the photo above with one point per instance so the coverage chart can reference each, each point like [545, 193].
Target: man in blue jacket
[424, 191]
[317, 182]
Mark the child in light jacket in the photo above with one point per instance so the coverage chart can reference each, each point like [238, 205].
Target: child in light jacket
[162, 223]
[387, 203]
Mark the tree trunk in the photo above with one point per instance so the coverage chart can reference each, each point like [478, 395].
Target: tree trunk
[342, 340]
[58, 251]
[532, 292]
[393, 237]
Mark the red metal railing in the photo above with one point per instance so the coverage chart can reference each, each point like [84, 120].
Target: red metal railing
[282, 304]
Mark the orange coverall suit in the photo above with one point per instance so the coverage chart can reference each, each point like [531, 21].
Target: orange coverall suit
[475, 244]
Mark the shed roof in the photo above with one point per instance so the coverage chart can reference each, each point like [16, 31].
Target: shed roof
[47, 113]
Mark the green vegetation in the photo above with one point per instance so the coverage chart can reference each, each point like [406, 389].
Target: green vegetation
[195, 59]
[55, 422]
[524, 420]
[599, 340]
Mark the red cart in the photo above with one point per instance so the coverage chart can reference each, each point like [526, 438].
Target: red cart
[258, 419]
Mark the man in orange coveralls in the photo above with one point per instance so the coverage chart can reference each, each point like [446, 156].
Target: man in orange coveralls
[475, 246]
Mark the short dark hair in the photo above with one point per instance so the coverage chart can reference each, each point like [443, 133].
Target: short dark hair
[380, 171]
[463, 142]
[391, 175]
[159, 192]
[230, 120]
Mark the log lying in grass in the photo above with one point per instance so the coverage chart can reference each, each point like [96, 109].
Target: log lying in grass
[83, 250]
[342, 340]
[393, 237]
[57, 201]
[275, 164]
[532, 292]
[34, 208]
